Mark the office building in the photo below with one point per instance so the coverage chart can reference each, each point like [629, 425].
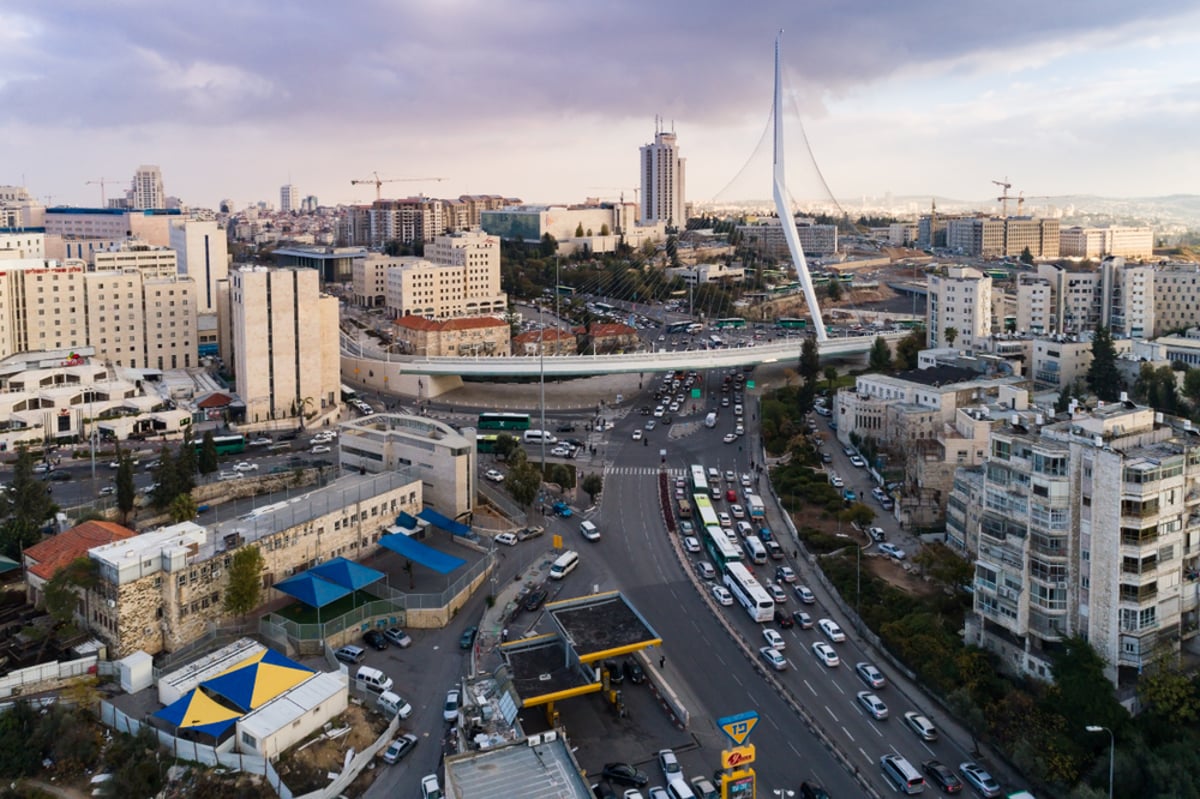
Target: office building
[663, 181]
[202, 250]
[765, 237]
[707, 273]
[108, 225]
[960, 297]
[460, 276]
[332, 264]
[289, 199]
[136, 256]
[284, 342]
[147, 190]
[1134, 243]
[1008, 237]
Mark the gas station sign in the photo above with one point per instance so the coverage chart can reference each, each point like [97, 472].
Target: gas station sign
[737, 757]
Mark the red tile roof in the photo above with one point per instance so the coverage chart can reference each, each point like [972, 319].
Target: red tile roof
[412, 322]
[52, 554]
[534, 336]
[215, 400]
[599, 330]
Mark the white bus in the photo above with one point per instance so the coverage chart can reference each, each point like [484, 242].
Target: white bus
[699, 481]
[749, 592]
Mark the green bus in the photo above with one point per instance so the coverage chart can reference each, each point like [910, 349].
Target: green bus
[486, 442]
[226, 445]
[503, 421]
[730, 323]
[791, 323]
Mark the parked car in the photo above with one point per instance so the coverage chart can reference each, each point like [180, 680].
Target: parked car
[350, 654]
[467, 640]
[375, 639]
[508, 539]
[451, 705]
[320, 448]
[535, 600]
[400, 747]
[893, 551]
[430, 788]
[624, 774]
[398, 637]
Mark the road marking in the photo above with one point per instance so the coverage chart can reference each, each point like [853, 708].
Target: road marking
[735, 679]
[868, 757]
[794, 749]
[848, 735]
[773, 724]
[876, 729]
[927, 749]
[814, 690]
[830, 712]
[720, 659]
[835, 685]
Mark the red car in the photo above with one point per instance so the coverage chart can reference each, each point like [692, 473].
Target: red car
[731, 496]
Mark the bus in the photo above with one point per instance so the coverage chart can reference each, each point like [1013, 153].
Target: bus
[749, 592]
[348, 393]
[790, 323]
[715, 342]
[720, 549]
[730, 323]
[678, 327]
[486, 442]
[704, 509]
[226, 445]
[503, 421]
[565, 291]
[699, 481]
[604, 307]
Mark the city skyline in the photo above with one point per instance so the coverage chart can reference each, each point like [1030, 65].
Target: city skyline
[235, 100]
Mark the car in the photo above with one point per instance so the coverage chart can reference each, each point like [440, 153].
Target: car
[686, 527]
[730, 495]
[659, 411]
[634, 671]
[872, 704]
[724, 520]
[832, 631]
[745, 529]
[495, 475]
[154, 464]
[150, 489]
[602, 790]
[848, 452]
[730, 476]
[670, 765]
[825, 654]
[747, 480]
[104, 492]
[921, 725]
[776, 593]
[785, 574]
[706, 570]
[535, 600]
[774, 550]
[430, 788]
[810, 790]
[870, 675]
[350, 654]
[783, 619]
[691, 544]
[375, 639]
[724, 402]
[739, 430]
[977, 777]
[703, 788]
[805, 595]
[633, 793]
[320, 448]
[803, 619]
[941, 776]
[876, 533]
[637, 435]
[261, 441]
[650, 424]
[855, 460]
[560, 451]
[892, 551]
[58, 475]
[774, 639]
[467, 640]
[452, 704]
[400, 747]
[836, 481]
[398, 637]
[737, 511]
[245, 466]
[508, 539]
[826, 457]
[849, 495]
[624, 774]
[773, 657]
[562, 509]
[729, 438]
[722, 595]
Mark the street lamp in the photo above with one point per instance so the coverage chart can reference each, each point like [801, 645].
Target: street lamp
[781, 792]
[1112, 748]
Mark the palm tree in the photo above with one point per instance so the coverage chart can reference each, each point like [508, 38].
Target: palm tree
[951, 334]
[301, 404]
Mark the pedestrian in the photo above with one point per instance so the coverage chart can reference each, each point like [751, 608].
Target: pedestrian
[662, 661]
[795, 554]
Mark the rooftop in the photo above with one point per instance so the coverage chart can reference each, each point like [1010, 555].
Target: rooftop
[406, 426]
[543, 666]
[539, 767]
[56, 552]
[602, 625]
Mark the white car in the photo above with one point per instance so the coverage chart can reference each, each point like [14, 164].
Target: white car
[262, 441]
[739, 430]
[691, 544]
[659, 411]
[774, 639]
[737, 511]
[785, 574]
[650, 424]
[450, 708]
[893, 551]
[637, 435]
[430, 788]
[805, 595]
[746, 479]
[730, 477]
[825, 654]
[508, 539]
[729, 438]
[220, 476]
[857, 461]
[774, 658]
[872, 704]
[495, 475]
[836, 481]
[832, 631]
[669, 765]
[776, 593]
[722, 595]
[245, 466]
[319, 449]
[724, 520]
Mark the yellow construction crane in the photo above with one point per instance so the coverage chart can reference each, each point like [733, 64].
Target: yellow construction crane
[378, 181]
[102, 182]
[1004, 197]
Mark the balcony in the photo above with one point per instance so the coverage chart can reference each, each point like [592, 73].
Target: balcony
[1049, 628]
[1138, 594]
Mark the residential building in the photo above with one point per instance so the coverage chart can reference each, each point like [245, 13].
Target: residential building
[1134, 243]
[930, 464]
[147, 190]
[164, 589]
[550, 341]
[203, 255]
[19, 210]
[1036, 308]
[1127, 298]
[440, 457]
[137, 256]
[1060, 361]
[765, 237]
[460, 276]
[289, 199]
[663, 181]
[368, 279]
[22, 243]
[46, 558]
[960, 297]
[1088, 526]
[285, 342]
[1176, 297]
[463, 336]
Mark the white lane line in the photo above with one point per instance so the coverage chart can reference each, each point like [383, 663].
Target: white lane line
[735, 679]
[927, 749]
[830, 712]
[835, 685]
[864, 754]
[720, 659]
[876, 729]
[790, 663]
[773, 724]
[814, 690]
[848, 735]
[794, 749]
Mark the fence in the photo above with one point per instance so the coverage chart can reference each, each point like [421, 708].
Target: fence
[355, 767]
[14, 682]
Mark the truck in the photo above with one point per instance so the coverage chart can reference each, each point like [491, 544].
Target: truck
[755, 507]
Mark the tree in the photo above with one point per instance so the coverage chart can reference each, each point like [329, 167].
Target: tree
[604, 229]
[186, 460]
[831, 376]
[1082, 694]
[62, 590]
[834, 288]
[243, 592]
[593, 484]
[505, 446]
[1169, 694]
[1063, 403]
[969, 714]
[182, 508]
[810, 360]
[944, 566]
[951, 333]
[1103, 379]
[880, 359]
[523, 480]
[167, 485]
[909, 348]
[579, 231]
[126, 492]
[207, 461]
[859, 514]
[1027, 257]
[30, 506]
[548, 245]
[1191, 385]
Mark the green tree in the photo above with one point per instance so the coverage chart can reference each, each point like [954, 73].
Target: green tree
[579, 231]
[834, 288]
[942, 565]
[1063, 403]
[831, 376]
[604, 229]
[592, 484]
[207, 460]
[30, 507]
[909, 348]
[969, 714]
[1169, 694]
[880, 359]
[505, 446]
[1103, 379]
[858, 513]
[523, 480]
[951, 334]
[186, 460]
[167, 484]
[17, 729]
[1081, 694]
[182, 508]
[62, 591]
[1027, 257]
[126, 492]
[243, 592]
[548, 246]
[1191, 385]
[810, 370]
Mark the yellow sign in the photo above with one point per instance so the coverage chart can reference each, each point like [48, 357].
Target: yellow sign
[557, 542]
[737, 757]
[739, 727]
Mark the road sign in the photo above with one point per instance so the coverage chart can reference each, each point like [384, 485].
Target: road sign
[695, 393]
[749, 385]
[738, 727]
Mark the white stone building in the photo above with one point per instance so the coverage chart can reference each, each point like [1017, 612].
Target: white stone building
[961, 298]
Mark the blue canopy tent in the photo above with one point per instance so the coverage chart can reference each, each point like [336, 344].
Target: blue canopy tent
[347, 573]
[312, 590]
[415, 551]
[444, 522]
[198, 712]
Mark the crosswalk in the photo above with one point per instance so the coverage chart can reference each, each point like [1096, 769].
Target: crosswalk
[642, 471]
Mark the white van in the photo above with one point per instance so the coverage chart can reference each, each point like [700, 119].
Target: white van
[901, 774]
[755, 550]
[539, 437]
[373, 679]
[393, 705]
[589, 531]
[678, 789]
[565, 564]
[710, 420]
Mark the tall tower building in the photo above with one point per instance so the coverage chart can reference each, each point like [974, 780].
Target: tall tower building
[289, 198]
[148, 188]
[662, 180]
[203, 254]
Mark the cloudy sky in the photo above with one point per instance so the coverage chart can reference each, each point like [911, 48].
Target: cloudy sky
[548, 100]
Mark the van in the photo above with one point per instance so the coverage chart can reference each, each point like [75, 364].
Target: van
[565, 564]
[678, 789]
[710, 420]
[539, 437]
[755, 550]
[393, 705]
[373, 679]
[589, 531]
[901, 774]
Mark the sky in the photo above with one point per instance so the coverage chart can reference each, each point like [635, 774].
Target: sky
[549, 100]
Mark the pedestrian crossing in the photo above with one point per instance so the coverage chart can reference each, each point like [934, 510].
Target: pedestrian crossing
[642, 471]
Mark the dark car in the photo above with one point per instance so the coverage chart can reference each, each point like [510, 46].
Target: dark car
[941, 776]
[625, 774]
[616, 675]
[810, 790]
[635, 672]
[375, 639]
[468, 638]
[565, 428]
[535, 600]
[602, 790]
[783, 619]
[59, 475]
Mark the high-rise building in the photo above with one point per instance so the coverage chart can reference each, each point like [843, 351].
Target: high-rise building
[289, 198]
[663, 185]
[284, 345]
[147, 191]
[960, 299]
[203, 252]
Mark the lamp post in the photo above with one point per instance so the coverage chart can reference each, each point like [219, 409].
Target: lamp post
[1112, 749]
[782, 792]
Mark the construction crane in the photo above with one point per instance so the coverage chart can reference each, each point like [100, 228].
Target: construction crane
[102, 182]
[1021, 198]
[378, 181]
[1004, 197]
[622, 189]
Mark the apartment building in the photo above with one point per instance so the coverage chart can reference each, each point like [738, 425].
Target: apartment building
[368, 279]
[1088, 526]
[137, 256]
[1176, 297]
[663, 177]
[463, 336]
[460, 276]
[440, 457]
[1134, 243]
[284, 342]
[19, 243]
[289, 198]
[162, 590]
[960, 297]
[147, 189]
